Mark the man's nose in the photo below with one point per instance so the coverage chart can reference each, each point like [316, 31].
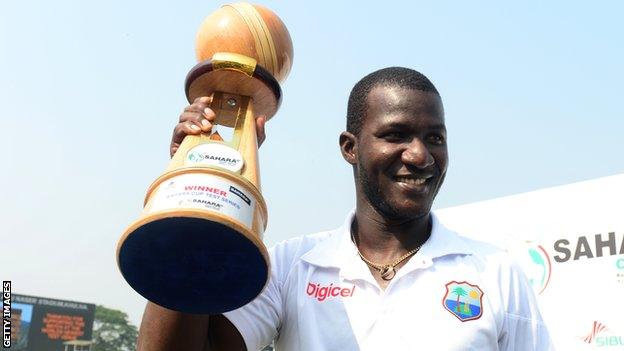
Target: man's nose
[417, 155]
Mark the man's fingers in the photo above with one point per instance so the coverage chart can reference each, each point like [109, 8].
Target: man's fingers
[198, 117]
[199, 105]
[184, 129]
[194, 119]
[173, 149]
[209, 114]
[203, 119]
[189, 116]
[205, 126]
[203, 100]
[180, 132]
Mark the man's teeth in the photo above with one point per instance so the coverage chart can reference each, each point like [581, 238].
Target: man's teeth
[412, 181]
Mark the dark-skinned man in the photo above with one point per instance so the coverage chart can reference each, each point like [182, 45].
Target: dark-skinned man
[392, 277]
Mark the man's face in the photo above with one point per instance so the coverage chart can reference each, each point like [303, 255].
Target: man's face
[401, 151]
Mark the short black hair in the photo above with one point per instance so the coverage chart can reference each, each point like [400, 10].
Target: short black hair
[390, 76]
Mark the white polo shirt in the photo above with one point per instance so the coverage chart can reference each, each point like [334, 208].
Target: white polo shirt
[454, 294]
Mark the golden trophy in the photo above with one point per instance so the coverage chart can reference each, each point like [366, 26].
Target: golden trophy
[197, 246]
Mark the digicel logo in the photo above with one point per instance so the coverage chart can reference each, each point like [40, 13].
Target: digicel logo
[323, 292]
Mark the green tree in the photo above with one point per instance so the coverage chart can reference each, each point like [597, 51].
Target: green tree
[459, 291]
[112, 331]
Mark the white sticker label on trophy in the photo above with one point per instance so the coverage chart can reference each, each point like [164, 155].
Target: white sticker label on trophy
[215, 154]
[206, 192]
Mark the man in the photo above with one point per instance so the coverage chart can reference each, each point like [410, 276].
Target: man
[392, 277]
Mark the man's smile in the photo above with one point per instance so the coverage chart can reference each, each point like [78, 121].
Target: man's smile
[413, 182]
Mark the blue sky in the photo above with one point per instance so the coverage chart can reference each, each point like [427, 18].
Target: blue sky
[90, 92]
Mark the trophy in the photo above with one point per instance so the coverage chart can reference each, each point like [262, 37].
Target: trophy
[197, 246]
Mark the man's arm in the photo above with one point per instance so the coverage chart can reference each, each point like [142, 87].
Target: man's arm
[166, 330]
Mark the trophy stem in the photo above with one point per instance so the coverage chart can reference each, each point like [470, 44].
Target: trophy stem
[249, 146]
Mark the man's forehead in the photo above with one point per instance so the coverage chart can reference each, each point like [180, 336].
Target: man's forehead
[388, 99]
[396, 94]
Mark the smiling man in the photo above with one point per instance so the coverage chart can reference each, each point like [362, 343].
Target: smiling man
[392, 277]
[396, 142]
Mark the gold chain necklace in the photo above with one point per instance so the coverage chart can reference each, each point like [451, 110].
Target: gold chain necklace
[387, 271]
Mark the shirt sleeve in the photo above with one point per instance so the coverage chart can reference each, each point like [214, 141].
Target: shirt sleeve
[258, 321]
[523, 327]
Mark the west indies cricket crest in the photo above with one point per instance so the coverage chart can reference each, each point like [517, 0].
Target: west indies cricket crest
[463, 300]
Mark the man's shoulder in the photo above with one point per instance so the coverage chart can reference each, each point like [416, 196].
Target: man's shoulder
[491, 267]
[481, 248]
[299, 245]
[285, 254]
[484, 253]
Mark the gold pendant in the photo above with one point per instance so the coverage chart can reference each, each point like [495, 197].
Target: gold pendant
[387, 273]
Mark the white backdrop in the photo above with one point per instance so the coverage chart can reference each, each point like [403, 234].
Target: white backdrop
[570, 242]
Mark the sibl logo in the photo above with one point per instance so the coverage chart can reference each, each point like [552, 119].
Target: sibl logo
[596, 336]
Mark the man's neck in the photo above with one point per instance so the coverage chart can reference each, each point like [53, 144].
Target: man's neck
[382, 239]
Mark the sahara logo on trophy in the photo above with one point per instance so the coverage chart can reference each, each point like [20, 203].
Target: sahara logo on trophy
[197, 247]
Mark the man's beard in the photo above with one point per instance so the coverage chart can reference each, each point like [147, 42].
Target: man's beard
[374, 197]
[378, 202]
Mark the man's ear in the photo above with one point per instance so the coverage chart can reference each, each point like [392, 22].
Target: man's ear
[348, 147]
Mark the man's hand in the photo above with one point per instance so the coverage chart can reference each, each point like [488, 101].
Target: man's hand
[198, 118]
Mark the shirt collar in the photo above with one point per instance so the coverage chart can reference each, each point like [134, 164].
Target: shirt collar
[338, 251]
[328, 252]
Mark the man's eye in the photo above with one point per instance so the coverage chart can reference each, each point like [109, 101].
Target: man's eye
[436, 139]
[393, 136]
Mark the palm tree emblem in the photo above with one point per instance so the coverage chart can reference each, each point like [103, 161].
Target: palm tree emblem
[463, 300]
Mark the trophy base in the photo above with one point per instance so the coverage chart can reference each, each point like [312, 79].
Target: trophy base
[192, 263]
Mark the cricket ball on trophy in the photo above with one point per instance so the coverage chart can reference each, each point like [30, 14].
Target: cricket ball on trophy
[250, 30]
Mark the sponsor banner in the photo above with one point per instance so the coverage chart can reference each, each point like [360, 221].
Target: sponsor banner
[569, 240]
[206, 192]
[215, 154]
